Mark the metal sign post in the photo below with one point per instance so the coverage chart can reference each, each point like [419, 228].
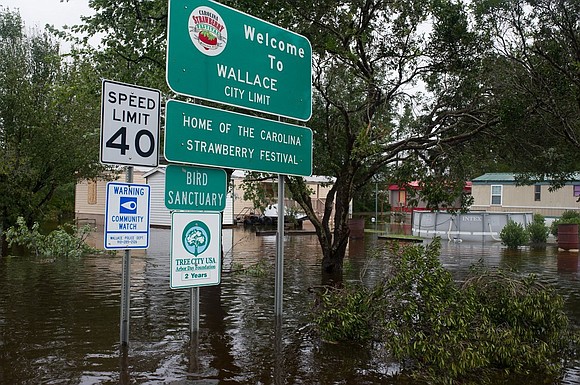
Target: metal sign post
[126, 285]
[207, 58]
[125, 298]
[195, 254]
[127, 227]
[279, 275]
[194, 310]
[130, 117]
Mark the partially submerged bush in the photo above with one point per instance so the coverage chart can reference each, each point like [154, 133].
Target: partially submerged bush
[443, 331]
[514, 235]
[258, 269]
[537, 230]
[345, 314]
[65, 241]
[523, 323]
[568, 217]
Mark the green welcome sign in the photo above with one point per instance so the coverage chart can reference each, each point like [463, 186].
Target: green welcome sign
[220, 54]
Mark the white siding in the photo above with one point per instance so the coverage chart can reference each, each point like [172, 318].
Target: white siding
[228, 214]
[161, 215]
[96, 211]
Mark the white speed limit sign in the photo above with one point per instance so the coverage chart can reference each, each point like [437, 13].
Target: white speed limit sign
[130, 124]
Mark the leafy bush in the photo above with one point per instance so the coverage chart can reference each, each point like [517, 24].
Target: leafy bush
[345, 314]
[65, 241]
[568, 217]
[524, 324]
[441, 331]
[537, 230]
[514, 235]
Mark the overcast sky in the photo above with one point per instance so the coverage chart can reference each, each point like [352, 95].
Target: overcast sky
[56, 12]
[38, 13]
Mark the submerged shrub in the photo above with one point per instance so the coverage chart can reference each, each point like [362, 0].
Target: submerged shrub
[537, 230]
[345, 314]
[514, 235]
[568, 217]
[258, 269]
[523, 325]
[442, 331]
[65, 241]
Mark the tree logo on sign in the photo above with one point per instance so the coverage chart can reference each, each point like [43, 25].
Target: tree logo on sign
[207, 31]
[196, 237]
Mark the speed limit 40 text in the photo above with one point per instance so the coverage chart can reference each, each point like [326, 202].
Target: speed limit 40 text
[133, 102]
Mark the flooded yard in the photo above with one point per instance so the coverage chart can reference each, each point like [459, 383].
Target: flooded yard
[59, 319]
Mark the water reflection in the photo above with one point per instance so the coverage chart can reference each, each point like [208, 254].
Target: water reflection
[59, 319]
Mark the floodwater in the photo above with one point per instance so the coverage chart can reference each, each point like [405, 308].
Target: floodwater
[59, 319]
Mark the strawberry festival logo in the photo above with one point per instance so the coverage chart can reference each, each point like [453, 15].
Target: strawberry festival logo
[208, 31]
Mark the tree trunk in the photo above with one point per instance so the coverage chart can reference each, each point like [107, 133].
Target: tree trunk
[333, 256]
[333, 242]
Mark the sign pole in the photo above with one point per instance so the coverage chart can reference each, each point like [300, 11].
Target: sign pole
[279, 275]
[126, 284]
[194, 310]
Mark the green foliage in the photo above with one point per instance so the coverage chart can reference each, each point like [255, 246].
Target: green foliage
[49, 131]
[133, 41]
[537, 230]
[523, 323]
[367, 59]
[429, 319]
[474, 108]
[514, 235]
[65, 241]
[539, 40]
[445, 332]
[345, 314]
[568, 217]
[261, 189]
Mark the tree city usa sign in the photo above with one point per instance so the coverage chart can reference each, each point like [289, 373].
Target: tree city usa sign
[195, 249]
[207, 136]
[221, 54]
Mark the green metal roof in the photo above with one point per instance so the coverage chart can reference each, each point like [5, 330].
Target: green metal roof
[504, 177]
[507, 178]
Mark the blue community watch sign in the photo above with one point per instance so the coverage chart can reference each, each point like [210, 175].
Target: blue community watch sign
[127, 216]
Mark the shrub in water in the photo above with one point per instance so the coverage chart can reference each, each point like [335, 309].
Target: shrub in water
[568, 217]
[537, 230]
[495, 320]
[345, 314]
[65, 241]
[514, 235]
[443, 332]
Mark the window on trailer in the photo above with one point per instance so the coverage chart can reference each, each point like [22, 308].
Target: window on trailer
[496, 191]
